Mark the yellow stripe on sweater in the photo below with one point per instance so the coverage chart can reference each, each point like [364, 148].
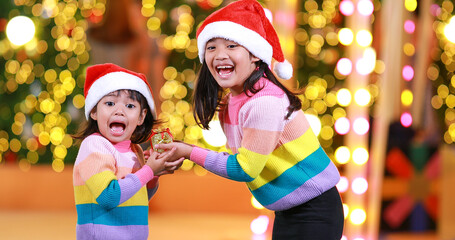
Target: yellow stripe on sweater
[98, 182]
[83, 195]
[282, 158]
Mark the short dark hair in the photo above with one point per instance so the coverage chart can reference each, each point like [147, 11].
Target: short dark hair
[208, 94]
[141, 133]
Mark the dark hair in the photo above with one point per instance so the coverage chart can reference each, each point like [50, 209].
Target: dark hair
[208, 94]
[141, 133]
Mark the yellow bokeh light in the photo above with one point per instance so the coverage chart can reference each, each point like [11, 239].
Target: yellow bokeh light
[358, 216]
[345, 36]
[360, 156]
[20, 30]
[364, 38]
[58, 165]
[56, 135]
[345, 210]
[60, 151]
[79, 101]
[187, 165]
[410, 5]
[342, 155]
[344, 97]
[407, 97]
[409, 49]
[15, 145]
[362, 97]
[255, 203]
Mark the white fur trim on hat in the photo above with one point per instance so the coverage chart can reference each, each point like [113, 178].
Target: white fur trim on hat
[116, 81]
[246, 37]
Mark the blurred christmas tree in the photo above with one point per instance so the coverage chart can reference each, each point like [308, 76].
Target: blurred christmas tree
[40, 77]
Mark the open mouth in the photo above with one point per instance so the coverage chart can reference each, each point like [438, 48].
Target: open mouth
[225, 70]
[117, 128]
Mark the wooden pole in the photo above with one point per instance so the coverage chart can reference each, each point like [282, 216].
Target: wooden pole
[387, 106]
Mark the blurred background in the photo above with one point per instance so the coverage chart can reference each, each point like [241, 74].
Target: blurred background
[377, 82]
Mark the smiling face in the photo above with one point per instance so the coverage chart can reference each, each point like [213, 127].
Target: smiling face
[117, 116]
[229, 63]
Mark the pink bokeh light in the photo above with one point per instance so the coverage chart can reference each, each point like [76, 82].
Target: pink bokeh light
[409, 26]
[346, 7]
[408, 73]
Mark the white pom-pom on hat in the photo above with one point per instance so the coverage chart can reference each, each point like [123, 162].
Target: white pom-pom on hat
[284, 69]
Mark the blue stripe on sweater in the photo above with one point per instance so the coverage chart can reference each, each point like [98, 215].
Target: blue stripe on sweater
[292, 178]
[235, 171]
[110, 197]
[94, 213]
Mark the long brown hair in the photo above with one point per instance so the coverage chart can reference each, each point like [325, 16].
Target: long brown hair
[208, 94]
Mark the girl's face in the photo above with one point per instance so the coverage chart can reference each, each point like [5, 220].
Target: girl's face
[118, 115]
[229, 63]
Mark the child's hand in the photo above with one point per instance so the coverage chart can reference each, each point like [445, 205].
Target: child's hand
[157, 162]
[183, 150]
[172, 164]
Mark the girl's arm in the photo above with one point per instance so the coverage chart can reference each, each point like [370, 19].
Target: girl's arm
[262, 123]
[96, 168]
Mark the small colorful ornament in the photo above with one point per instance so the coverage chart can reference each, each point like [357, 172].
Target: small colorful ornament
[160, 136]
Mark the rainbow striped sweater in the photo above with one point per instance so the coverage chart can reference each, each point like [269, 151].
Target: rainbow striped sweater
[281, 160]
[112, 190]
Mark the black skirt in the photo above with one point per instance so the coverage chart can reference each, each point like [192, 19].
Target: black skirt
[321, 218]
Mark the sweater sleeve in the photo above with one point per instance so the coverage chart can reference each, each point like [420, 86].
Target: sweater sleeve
[97, 167]
[261, 121]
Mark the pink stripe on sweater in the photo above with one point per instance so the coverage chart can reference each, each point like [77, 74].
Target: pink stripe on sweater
[145, 174]
[198, 155]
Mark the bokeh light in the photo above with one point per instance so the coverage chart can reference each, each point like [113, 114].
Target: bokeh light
[364, 38]
[406, 119]
[342, 126]
[408, 73]
[343, 184]
[407, 98]
[365, 7]
[260, 224]
[367, 63]
[342, 155]
[358, 216]
[359, 185]
[410, 5]
[345, 36]
[215, 135]
[344, 66]
[362, 97]
[449, 30]
[361, 126]
[344, 97]
[20, 30]
[315, 123]
[360, 156]
[409, 26]
[346, 7]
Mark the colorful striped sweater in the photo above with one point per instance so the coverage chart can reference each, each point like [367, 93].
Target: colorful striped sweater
[112, 190]
[280, 160]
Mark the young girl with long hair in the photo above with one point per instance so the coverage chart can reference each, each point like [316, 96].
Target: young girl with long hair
[272, 147]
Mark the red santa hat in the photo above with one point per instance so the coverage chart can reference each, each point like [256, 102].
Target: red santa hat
[245, 23]
[105, 78]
